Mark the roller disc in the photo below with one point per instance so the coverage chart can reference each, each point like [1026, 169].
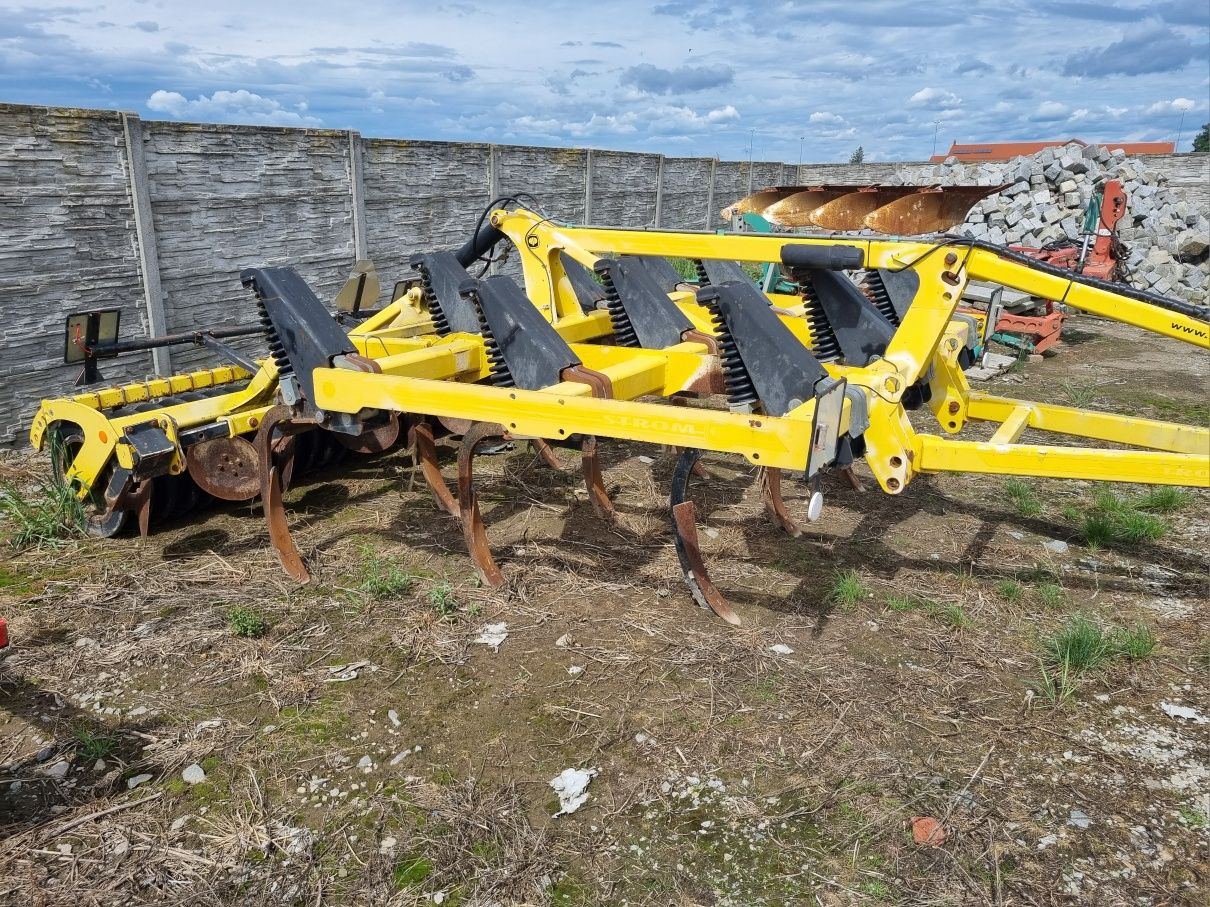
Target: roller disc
[225, 468]
[373, 440]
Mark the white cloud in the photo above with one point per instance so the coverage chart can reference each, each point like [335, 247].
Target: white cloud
[1049, 111]
[1176, 105]
[240, 106]
[935, 98]
[825, 117]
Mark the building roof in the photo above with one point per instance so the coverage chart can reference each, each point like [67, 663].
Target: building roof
[1003, 151]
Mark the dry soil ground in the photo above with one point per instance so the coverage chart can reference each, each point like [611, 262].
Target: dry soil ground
[367, 750]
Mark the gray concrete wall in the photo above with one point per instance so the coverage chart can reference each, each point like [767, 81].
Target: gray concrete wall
[158, 218]
[68, 244]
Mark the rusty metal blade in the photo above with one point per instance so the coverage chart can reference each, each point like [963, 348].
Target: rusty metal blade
[689, 553]
[688, 548]
[794, 210]
[848, 212]
[853, 479]
[472, 522]
[546, 453]
[225, 468]
[893, 210]
[933, 209]
[279, 529]
[757, 201]
[271, 494]
[594, 480]
[139, 501]
[775, 507]
[425, 450]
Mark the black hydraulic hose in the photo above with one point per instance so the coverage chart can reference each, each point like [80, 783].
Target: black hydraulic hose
[480, 244]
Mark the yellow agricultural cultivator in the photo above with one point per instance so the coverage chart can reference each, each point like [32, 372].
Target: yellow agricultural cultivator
[606, 340]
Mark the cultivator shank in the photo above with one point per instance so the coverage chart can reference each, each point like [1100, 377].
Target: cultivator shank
[607, 341]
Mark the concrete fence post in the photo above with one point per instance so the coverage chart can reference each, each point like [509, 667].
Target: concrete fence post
[144, 230]
[357, 191]
[710, 193]
[493, 172]
[588, 186]
[659, 194]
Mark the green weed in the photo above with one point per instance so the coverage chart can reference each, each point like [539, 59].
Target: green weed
[847, 589]
[952, 616]
[410, 872]
[43, 516]
[380, 579]
[1116, 520]
[901, 603]
[1136, 643]
[246, 622]
[1022, 497]
[1163, 500]
[442, 600]
[1051, 594]
[1009, 590]
[1078, 394]
[685, 268]
[1078, 646]
[91, 745]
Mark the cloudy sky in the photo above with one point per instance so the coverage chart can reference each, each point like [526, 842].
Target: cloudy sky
[672, 76]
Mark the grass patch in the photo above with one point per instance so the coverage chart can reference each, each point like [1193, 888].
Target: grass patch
[1010, 590]
[1078, 394]
[1023, 498]
[1114, 520]
[91, 745]
[442, 600]
[1081, 645]
[952, 616]
[1163, 500]
[1051, 594]
[382, 580]
[847, 589]
[43, 516]
[685, 268]
[1136, 643]
[246, 622]
[1078, 646]
[902, 603]
[410, 872]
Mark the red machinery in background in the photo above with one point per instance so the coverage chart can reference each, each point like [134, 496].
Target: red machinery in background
[1099, 252]
[1037, 326]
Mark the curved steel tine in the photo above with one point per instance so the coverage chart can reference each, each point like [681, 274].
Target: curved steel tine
[547, 453]
[425, 450]
[468, 507]
[593, 479]
[775, 507]
[140, 502]
[688, 550]
[853, 478]
[271, 497]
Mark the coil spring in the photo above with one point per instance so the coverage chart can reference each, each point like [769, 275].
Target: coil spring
[824, 344]
[277, 349]
[441, 322]
[623, 331]
[700, 267]
[874, 287]
[741, 393]
[499, 371]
